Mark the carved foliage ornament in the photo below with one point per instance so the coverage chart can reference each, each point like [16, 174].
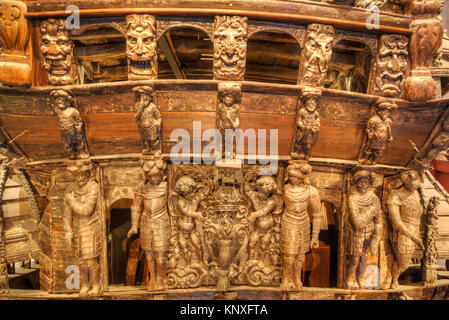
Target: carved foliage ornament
[14, 33]
[230, 42]
[141, 47]
[316, 55]
[57, 51]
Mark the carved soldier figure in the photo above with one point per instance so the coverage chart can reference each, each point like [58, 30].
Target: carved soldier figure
[391, 65]
[149, 213]
[82, 223]
[378, 133]
[295, 223]
[229, 97]
[316, 55]
[366, 221]
[70, 124]
[148, 119]
[266, 202]
[307, 125]
[141, 47]
[185, 203]
[57, 50]
[405, 208]
[230, 47]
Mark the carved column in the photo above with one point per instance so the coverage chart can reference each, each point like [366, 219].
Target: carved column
[424, 44]
[16, 57]
[141, 47]
[4, 285]
[230, 42]
[431, 236]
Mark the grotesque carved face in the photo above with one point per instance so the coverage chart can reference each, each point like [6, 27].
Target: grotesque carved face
[141, 47]
[316, 54]
[230, 47]
[57, 50]
[392, 64]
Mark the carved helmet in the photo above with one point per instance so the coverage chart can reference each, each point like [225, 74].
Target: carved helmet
[361, 173]
[67, 95]
[148, 90]
[76, 166]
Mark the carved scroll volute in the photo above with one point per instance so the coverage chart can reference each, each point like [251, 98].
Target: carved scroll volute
[315, 55]
[391, 66]
[230, 43]
[425, 42]
[57, 52]
[15, 60]
[141, 47]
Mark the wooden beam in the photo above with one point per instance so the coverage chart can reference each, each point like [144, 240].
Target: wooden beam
[171, 57]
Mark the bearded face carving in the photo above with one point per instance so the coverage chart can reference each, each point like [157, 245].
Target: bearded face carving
[391, 65]
[141, 47]
[230, 47]
[57, 50]
[316, 54]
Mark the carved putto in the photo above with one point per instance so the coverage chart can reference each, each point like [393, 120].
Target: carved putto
[366, 224]
[307, 124]
[57, 51]
[141, 47]
[149, 213]
[70, 124]
[230, 38]
[391, 65]
[296, 241]
[229, 98]
[378, 133]
[316, 55]
[82, 225]
[149, 119]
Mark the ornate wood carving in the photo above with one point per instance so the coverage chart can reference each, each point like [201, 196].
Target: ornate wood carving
[70, 124]
[164, 26]
[378, 133]
[4, 284]
[141, 47]
[57, 51]
[369, 3]
[82, 225]
[315, 55]
[230, 36]
[228, 117]
[15, 57]
[431, 236]
[297, 32]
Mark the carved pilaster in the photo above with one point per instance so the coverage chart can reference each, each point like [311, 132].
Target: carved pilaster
[4, 285]
[431, 236]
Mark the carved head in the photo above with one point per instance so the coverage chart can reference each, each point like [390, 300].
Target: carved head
[411, 179]
[81, 169]
[309, 96]
[316, 54]
[392, 62]
[63, 99]
[57, 50]
[185, 186]
[229, 93]
[144, 94]
[154, 168]
[141, 46]
[230, 47]
[362, 180]
[15, 33]
[267, 185]
[298, 173]
[385, 109]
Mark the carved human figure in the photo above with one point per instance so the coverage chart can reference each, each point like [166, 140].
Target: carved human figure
[378, 133]
[295, 223]
[307, 125]
[230, 38]
[266, 200]
[366, 222]
[316, 55]
[149, 213]
[391, 65]
[57, 51]
[185, 203]
[149, 119]
[229, 98]
[405, 208]
[141, 47]
[82, 223]
[70, 124]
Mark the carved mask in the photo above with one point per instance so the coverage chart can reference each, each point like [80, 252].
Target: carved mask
[14, 34]
[141, 47]
[392, 62]
[316, 54]
[57, 50]
[230, 47]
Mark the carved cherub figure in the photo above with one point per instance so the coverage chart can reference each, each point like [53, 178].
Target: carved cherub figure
[149, 213]
[184, 203]
[70, 124]
[307, 125]
[149, 119]
[299, 195]
[266, 200]
[366, 221]
[82, 222]
[378, 133]
[229, 97]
